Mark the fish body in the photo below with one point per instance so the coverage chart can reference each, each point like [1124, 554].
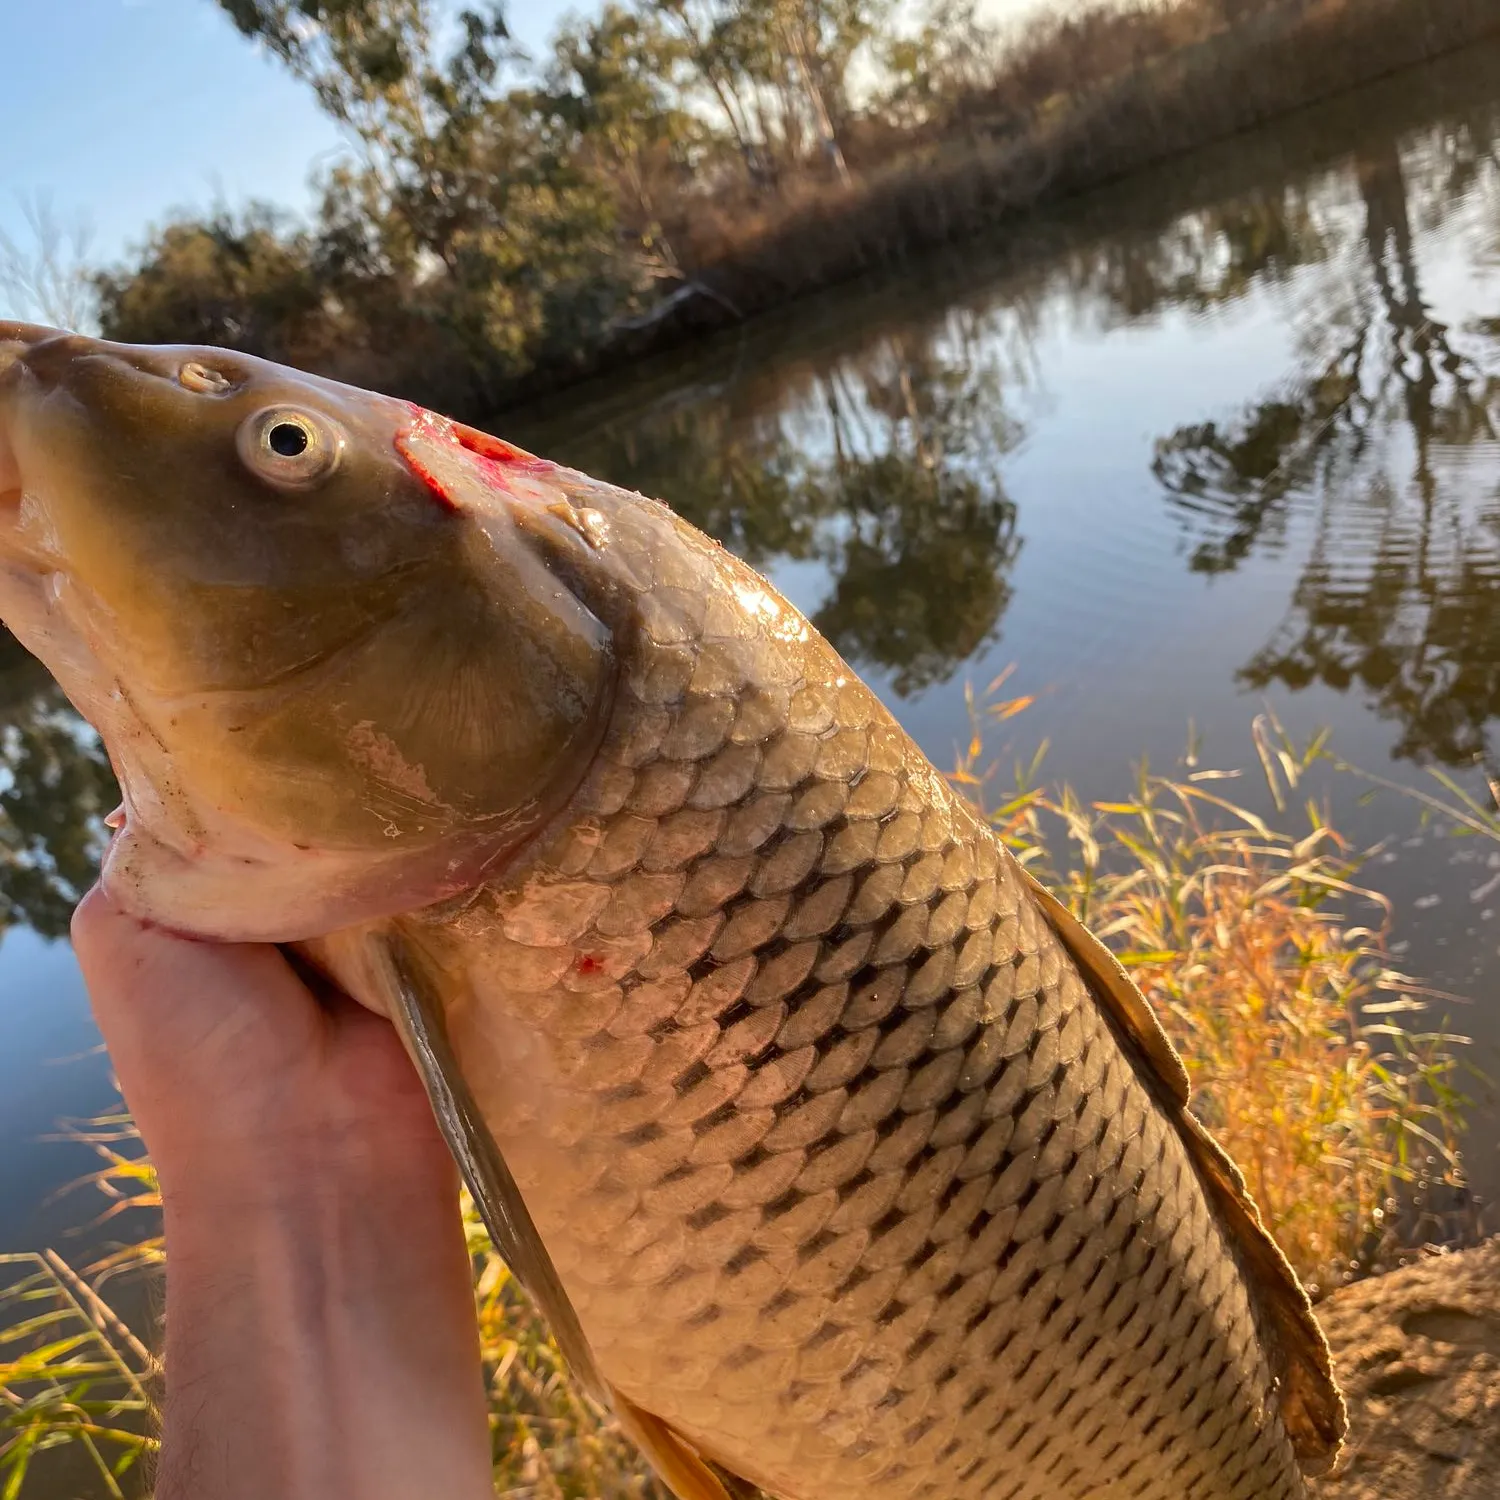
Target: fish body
[839, 1154]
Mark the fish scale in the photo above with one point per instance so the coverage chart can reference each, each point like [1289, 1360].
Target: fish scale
[846, 1170]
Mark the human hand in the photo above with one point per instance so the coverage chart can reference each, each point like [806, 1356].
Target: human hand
[321, 1337]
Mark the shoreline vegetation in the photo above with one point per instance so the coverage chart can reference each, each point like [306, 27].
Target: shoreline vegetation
[1312, 1059]
[1172, 99]
[503, 228]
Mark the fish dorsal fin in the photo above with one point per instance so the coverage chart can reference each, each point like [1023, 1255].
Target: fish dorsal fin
[1117, 989]
[419, 1019]
[1312, 1408]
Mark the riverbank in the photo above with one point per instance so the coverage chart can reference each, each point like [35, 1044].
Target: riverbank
[566, 232]
[1417, 1352]
[1092, 239]
[748, 262]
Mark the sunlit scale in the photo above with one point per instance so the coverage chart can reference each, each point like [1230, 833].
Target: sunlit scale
[783, 622]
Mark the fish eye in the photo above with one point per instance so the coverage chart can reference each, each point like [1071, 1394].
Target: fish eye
[195, 377]
[289, 447]
[289, 439]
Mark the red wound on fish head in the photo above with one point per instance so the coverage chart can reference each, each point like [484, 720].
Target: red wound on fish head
[433, 443]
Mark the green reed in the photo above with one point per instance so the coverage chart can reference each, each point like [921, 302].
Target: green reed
[72, 1375]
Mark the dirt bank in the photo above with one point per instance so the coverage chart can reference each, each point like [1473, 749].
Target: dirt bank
[1418, 1353]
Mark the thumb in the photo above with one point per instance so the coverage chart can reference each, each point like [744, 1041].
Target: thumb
[192, 1027]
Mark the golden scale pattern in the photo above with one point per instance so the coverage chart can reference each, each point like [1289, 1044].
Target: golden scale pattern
[849, 1176]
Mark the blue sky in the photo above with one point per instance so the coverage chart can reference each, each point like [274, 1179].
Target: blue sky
[123, 111]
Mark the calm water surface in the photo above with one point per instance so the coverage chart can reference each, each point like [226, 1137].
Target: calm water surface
[1226, 436]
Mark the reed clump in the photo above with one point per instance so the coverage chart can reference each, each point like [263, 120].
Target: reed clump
[75, 1380]
[1312, 1060]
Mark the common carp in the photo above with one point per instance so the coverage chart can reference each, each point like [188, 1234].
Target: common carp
[843, 1160]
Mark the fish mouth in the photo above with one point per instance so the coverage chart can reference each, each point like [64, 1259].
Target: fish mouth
[32, 583]
[16, 341]
[10, 463]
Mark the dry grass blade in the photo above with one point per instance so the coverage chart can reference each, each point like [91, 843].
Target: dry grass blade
[127, 1182]
[71, 1374]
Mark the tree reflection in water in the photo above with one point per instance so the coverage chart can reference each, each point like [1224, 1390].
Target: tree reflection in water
[881, 466]
[1391, 434]
[55, 789]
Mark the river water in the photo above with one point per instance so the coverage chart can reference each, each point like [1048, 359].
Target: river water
[1222, 437]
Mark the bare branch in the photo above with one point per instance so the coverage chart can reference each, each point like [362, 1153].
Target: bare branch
[52, 278]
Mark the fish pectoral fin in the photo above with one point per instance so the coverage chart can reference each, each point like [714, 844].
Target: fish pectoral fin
[411, 1002]
[1117, 990]
[1312, 1407]
[418, 1014]
[675, 1460]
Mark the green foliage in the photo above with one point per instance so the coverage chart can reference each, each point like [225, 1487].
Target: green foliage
[374, 67]
[492, 219]
[72, 1377]
[245, 281]
[468, 239]
[615, 86]
[75, 1381]
[952, 54]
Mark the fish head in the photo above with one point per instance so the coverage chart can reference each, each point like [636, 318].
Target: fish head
[317, 629]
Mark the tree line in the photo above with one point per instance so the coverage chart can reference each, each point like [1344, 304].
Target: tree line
[497, 211]
[667, 165]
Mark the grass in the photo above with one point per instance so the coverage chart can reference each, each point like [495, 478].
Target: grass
[1311, 1058]
[72, 1376]
[551, 1442]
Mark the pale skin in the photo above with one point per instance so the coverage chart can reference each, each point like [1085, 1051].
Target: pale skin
[320, 1334]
